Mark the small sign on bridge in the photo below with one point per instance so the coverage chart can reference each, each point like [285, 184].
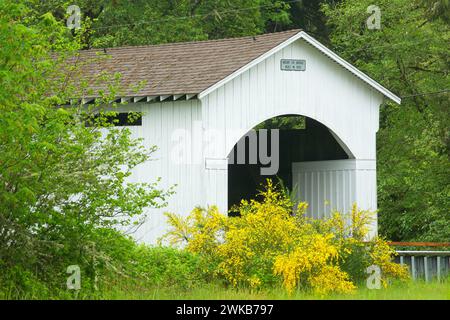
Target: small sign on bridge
[293, 65]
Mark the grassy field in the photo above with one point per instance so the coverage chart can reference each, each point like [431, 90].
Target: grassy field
[408, 291]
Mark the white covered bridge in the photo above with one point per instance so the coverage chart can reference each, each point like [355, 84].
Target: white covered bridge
[201, 98]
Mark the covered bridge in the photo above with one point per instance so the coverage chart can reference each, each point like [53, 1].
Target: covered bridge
[201, 98]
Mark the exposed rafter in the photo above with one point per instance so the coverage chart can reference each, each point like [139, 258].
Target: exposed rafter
[87, 100]
[165, 97]
[139, 99]
[152, 98]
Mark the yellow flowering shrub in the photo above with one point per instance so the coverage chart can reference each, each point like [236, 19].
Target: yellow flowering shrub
[200, 231]
[331, 279]
[273, 242]
[381, 255]
[312, 263]
[356, 251]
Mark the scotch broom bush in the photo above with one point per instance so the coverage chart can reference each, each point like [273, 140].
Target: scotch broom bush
[272, 242]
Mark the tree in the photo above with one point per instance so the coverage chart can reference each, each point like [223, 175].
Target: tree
[60, 180]
[145, 22]
[409, 55]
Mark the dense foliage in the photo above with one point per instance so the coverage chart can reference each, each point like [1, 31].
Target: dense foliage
[115, 267]
[61, 182]
[410, 55]
[270, 241]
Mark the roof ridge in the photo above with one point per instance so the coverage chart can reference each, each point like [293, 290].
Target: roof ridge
[293, 31]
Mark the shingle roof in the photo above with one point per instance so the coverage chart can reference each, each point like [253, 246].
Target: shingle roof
[178, 68]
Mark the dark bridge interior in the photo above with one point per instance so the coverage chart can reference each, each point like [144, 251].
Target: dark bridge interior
[313, 143]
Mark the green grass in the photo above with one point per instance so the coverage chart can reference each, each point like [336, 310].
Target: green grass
[124, 289]
[408, 291]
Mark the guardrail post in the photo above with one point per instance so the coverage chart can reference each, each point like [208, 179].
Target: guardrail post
[431, 269]
[438, 266]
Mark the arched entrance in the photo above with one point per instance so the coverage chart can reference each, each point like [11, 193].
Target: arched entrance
[300, 139]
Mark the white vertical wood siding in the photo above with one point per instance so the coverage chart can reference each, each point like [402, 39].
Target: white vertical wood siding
[329, 186]
[325, 92]
[160, 124]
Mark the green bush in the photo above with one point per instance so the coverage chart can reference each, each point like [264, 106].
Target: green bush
[114, 263]
[63, 185]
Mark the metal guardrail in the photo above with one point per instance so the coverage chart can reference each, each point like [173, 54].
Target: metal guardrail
[425, 264]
